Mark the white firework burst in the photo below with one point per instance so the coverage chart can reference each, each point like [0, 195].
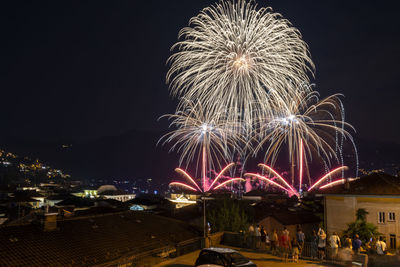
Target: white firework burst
[313, 124]
[237, 56]
[200, 133]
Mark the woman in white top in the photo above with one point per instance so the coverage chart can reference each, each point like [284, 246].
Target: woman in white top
[334, 242]
[321, 243]
[380, 246]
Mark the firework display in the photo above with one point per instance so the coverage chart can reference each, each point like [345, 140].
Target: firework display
[308, 127]
[199, 133]
[242, 78]
[205, 186]
[235, 55]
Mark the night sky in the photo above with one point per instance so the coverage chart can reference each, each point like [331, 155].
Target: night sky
[84, 70]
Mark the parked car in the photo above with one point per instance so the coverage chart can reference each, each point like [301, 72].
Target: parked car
[226, 257]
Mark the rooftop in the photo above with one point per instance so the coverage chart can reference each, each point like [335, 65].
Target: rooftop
[90, 240]
[284, 214]
[373, 184]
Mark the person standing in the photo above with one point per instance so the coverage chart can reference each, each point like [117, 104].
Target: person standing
[267, 241]
[274, 242]
[295, 250]
[263, 237]
[321, 244]
[314, 245]
[356, 244]
[257, 235]
[380, 246]
[250, 236]
[285, 243]
[347, 240]
[371, 248]
[334, 243]
[300, 239]
[285, 231]
[347, 254]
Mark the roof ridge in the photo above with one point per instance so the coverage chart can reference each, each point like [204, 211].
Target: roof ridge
[389, 182]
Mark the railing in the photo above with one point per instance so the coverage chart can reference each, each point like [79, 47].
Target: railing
[155, 256]
[308, 251]
[337, 256]
[189, 246]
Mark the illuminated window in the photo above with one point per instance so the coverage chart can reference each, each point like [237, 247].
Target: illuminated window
[392, 217]
[381, 217]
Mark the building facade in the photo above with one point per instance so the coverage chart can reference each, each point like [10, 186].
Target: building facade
[383, 211]
[378, 194]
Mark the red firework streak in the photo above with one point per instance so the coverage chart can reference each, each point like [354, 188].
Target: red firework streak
[286, 186]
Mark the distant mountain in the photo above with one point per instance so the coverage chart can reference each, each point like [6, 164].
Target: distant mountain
[129, 156]
[134, 155]
[16, 169]
[379, 155]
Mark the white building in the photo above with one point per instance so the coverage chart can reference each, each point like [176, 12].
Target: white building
[378, 194]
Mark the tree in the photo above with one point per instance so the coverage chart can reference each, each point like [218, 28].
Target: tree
[361, 215]
[361, 227]
[229, 215]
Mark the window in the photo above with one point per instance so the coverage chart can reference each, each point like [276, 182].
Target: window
[381, 217]
[238, 259]
[392, 217]
[209, 257]
[392, 241]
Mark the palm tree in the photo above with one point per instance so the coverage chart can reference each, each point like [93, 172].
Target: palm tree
[361, 227]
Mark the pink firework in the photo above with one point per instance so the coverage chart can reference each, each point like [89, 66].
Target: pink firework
[289, 189]
[284, 185]
[216, 184]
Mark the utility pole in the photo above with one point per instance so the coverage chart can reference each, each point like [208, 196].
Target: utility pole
[204, 218]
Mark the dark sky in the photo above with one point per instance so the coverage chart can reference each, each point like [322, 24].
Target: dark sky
[81, 70]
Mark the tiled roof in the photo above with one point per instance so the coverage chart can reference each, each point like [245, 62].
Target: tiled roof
[185, 214]
[284, 214]
[258, 192]
[374, 184]
[89, 240]
[292, 217]
[58, 197]
[76, 202]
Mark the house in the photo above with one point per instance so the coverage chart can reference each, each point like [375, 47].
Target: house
[182, 200]
[149, 202]
[75, 203]
[274, 217]
[37, 196]
[191, 214]
[262, 195]
[378, 194]
[254, 195]
[3, 215]
[53, 200]
[85, 191]
[111, 192]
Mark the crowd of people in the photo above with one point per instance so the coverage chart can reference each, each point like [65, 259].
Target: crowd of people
[319, 246]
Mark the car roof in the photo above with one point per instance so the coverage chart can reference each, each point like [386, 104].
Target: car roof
[220, 250]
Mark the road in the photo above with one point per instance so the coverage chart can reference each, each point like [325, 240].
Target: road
[260, 258]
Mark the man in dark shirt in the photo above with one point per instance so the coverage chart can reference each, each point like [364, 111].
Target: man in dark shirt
[300, 239]
[356, 244]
